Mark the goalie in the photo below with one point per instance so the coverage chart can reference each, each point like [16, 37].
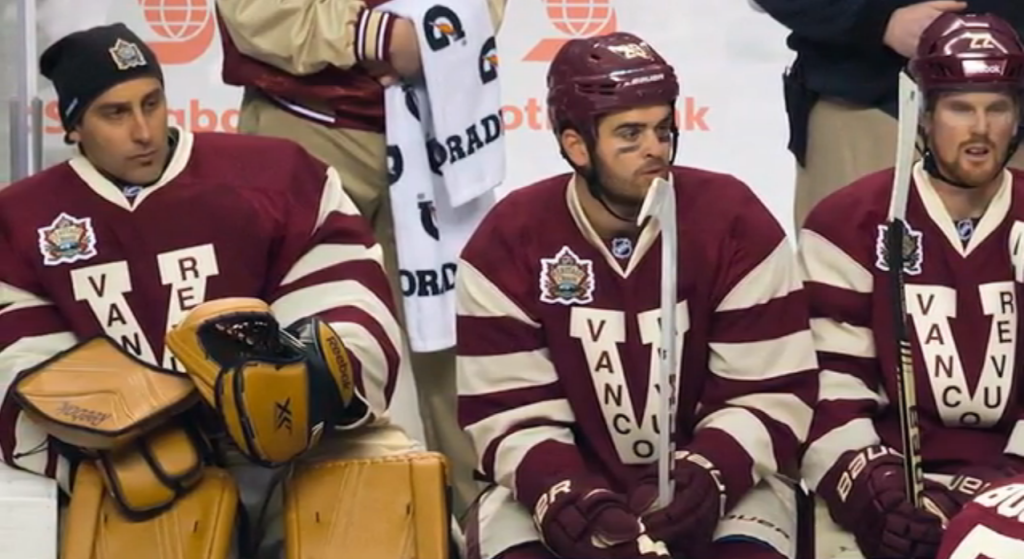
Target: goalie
[197, 338]
[963, 264]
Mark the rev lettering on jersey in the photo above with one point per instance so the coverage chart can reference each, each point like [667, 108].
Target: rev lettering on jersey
[932, 308]
[104, 287]
[913, 253]
[185, 272]
[601, 332]
[566, 279]
[67, 240]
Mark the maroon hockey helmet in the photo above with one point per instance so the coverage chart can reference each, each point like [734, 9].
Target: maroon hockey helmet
[595, 76]
[965, 51]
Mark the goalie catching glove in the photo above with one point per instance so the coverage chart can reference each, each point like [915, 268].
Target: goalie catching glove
[276, 390]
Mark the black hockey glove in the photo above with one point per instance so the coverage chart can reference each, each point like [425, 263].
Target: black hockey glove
[581, 520]
[688, 523]
[865, 495]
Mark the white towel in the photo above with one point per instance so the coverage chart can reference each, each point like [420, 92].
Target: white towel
[446, 157]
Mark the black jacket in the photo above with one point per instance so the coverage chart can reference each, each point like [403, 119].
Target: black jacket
[840, 53]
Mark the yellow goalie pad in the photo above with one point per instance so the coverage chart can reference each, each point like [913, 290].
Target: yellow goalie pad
[200, 525]
[97, 396]
[391, 507]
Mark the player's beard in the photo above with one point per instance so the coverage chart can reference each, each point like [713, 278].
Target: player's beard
[972, 174]
[626, 195]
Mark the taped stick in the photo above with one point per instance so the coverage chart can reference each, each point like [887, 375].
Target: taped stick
[896, 235]
[660, 204]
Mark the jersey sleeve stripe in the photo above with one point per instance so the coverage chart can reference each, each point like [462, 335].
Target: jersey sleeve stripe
[775, 318]
[823, 452]
[23, 444]
[493, 429]
[496, 336]
[335, 199]
[1015, 444]
[378, 367]
[511, 451]
[324, 256]
[744, 427]
[772, 278]
[840, 386]
[477, 296]
[823, 262]
[320, 298]
[832, 336]
[522, 369]
[764, 359]
[786, 409]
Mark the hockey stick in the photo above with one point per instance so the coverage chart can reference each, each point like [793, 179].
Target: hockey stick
[660, 204]
[896, 234]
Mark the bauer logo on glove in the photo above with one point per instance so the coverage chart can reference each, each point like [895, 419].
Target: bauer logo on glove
[276, 394]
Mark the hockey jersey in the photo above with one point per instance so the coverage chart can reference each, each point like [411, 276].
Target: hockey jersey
[961, 298]
[558, 340]
[991, 526]
[232, 216]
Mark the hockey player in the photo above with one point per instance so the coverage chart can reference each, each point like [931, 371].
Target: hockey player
[963, 267]
[558, 340]
[248, 254]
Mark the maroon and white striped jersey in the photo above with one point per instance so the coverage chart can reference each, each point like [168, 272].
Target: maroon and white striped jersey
[233, 216]
[962, 290]
[558, 338]
[989, 527]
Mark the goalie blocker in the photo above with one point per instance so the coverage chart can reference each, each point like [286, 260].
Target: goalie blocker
[244, 365]
[147, 472]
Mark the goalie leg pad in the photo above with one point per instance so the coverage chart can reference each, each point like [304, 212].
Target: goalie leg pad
[372, 508]
[200, 525]
[152, 472]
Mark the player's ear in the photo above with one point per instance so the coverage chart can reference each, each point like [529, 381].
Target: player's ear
[575, 147]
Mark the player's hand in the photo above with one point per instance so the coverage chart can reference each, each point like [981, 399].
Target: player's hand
[907, 23]
[865, 495]
[688, 523]
[580, 519]
[403, 56]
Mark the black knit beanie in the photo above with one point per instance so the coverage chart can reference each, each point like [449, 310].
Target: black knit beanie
[85, 64]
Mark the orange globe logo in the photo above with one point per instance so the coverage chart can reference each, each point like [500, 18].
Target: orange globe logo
[574, 19]
[186, 28]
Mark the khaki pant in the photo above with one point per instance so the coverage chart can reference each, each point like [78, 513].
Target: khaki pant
[361, 160]
[844, 143]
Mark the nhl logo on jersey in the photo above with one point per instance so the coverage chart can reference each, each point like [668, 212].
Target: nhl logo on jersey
[913, 255]
[127, 55]
[67, 240]
[566, 279]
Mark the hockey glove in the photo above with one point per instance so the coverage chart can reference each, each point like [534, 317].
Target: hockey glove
[865, 495]
[688, 523]
[582, 520]
[277, 392]
[968, 483]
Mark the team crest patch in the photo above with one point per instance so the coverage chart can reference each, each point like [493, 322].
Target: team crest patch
[566, 279]
[67, 240]
[127, 55]
[913, 255]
